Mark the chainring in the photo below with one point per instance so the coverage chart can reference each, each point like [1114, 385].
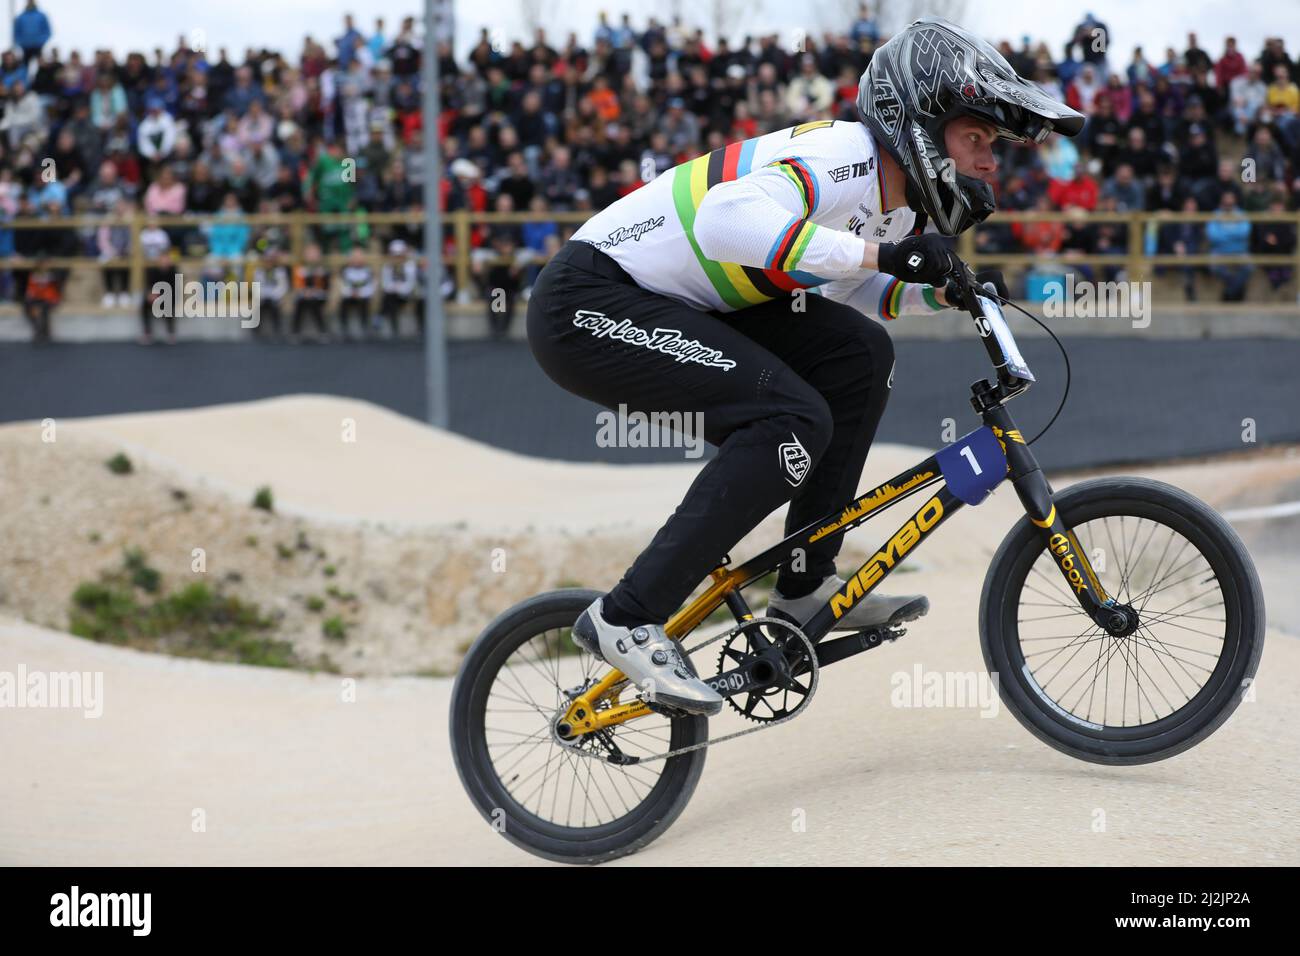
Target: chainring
[781, 699]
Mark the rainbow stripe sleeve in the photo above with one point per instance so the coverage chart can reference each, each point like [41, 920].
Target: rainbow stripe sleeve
[738, 285]
[804, 182]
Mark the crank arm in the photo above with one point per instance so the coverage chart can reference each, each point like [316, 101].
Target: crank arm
[828, 652]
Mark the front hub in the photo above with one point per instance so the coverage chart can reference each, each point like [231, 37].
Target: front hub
[1119, 620]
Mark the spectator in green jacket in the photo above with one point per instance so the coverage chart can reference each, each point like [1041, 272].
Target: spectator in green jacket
[331, 187]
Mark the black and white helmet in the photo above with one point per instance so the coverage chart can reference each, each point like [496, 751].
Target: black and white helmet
[933, 72]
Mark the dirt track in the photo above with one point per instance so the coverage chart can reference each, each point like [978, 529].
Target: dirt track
[286, 771]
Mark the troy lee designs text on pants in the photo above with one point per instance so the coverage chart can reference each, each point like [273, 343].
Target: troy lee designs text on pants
[667, 341]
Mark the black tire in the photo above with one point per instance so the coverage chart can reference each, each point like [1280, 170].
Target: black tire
[622, 834]
[1234, 663]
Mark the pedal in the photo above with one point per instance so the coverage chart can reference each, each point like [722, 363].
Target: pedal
[664, 709]
[874, 636]
[847, 643]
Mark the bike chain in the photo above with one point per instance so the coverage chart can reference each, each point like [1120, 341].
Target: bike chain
[744, 625]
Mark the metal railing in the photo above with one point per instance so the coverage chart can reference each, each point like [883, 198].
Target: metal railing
[1136, 261]
[296, 224]
[462, 224]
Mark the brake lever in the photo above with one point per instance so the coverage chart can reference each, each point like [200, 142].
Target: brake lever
[964, 276]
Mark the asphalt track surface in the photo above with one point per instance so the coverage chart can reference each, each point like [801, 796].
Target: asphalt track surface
[1130, 400]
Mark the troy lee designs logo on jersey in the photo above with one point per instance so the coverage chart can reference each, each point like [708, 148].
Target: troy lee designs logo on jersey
[668, 341]
[633, 232]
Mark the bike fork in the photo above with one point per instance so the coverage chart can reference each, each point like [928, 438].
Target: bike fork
[1035, 494]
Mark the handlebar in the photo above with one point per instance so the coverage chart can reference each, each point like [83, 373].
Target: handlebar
[981, 304]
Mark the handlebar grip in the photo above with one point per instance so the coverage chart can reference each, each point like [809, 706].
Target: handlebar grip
[964, 277]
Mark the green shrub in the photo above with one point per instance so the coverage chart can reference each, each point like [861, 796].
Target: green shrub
[142, 575]
[315, 603]
[191, 604]
[256, 651]
[195, 621]
[119, 464]
[326, 664]
[334, 628]
[91, 596]
[102, 612]
[263, 499]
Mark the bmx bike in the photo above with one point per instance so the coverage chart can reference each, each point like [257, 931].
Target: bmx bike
[1122, 616]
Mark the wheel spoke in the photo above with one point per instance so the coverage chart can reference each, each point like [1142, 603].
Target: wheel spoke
[567, 785]
[1159, 572]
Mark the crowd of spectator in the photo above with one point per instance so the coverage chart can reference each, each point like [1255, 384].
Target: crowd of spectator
[572, 126]
[330, 131]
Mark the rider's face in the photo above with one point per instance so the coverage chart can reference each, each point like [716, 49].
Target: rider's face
[970, 145]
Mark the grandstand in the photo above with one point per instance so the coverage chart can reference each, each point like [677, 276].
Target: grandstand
[302, 168]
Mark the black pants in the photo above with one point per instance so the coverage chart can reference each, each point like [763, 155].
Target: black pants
[506, 280]
[791, 399]
[309, 308]
[390, 307]
[358, 307]
[268, 318]
[38, 315]
[116, 280]
[147, 317]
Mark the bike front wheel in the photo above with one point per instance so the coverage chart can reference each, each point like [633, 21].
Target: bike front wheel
[1153, 693]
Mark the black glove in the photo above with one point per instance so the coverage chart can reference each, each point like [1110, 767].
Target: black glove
[952, 293]
[924, 258]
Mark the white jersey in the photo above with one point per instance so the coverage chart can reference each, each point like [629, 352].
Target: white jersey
[758, 219]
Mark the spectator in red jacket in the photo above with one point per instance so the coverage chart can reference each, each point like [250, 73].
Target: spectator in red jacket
[1081, 190]
[464, 190]
[1230, 66]
[1083, 89]
[1044, 238]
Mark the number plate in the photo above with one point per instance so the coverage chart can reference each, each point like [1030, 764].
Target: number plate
[973, 465]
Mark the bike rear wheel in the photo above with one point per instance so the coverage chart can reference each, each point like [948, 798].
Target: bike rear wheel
[1165, 687]
[555, 800]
